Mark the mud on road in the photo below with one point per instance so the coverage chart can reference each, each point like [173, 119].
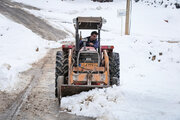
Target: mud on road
[41, 104]
[37, 101]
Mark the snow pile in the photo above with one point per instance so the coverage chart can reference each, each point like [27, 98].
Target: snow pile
[164, 3]
[19, 47]
[119, 103]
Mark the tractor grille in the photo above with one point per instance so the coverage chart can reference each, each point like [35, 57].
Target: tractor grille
[88, 58]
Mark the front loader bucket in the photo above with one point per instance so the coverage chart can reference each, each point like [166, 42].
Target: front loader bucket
[68, 90]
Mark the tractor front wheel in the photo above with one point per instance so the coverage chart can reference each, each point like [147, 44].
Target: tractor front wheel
[114, 69]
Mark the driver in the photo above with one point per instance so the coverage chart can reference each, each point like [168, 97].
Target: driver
[92, 41]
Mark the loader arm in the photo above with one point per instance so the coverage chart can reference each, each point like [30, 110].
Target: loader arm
[70, 65]
[106, 59]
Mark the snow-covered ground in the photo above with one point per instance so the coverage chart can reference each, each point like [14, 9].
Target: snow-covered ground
[149, 89]
[19, 48]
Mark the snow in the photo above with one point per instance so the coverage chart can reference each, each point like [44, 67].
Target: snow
[18, 50]
[149, 89]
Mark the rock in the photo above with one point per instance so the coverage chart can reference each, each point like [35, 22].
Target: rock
[37, 49]
[166, 21]
[153, 57]
[160, 53]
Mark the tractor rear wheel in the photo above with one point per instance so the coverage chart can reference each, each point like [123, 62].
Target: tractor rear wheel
[59, 68]
[114, 69]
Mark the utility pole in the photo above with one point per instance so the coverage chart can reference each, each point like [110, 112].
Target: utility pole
[128, 20]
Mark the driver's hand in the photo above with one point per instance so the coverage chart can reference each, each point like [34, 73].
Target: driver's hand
[91, 44]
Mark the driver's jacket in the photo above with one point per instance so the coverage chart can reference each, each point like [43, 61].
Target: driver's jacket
[95, 42]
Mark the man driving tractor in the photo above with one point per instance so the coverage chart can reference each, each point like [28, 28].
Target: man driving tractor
[92, 41]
